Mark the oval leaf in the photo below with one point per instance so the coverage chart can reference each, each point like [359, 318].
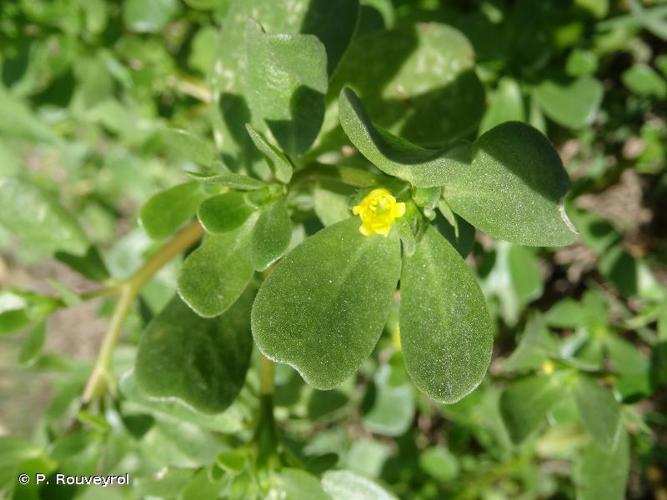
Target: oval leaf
[214, 275]
[271, 236]
[277, 160]
[323, 308]
[572, 104]
[344, 485]
[202, 362]
[165, 212]
[525, 404]
[514, 187]
[224, 212]
[446, 332]
[394, 156]
[38, 219]
[599, 411]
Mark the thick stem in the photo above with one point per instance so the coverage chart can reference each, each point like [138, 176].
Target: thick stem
[101, 375]
[266, 372]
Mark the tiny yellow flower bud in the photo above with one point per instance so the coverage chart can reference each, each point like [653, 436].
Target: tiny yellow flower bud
[378, 211]
[548, 367]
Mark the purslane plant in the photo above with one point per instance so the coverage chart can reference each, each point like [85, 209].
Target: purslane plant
[399, 217]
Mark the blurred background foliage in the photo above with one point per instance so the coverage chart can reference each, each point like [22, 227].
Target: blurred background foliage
[574, 403]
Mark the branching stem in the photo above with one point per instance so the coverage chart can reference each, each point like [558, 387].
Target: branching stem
[98, 381]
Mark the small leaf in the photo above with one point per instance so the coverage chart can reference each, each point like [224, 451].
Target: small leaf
[214, 275]
[91, 265]
[393, 407]
[271, 236]
[323, 308]
[514, 187]
[346, 485]
[603, 473]
[230, 180]
[506, 105]
[27, 210]
[188, 146]
[32, 346]
[277, 160]
[224, 212]
[330, 203]
[295, 484]
[645, 81]
[571, 104]
[446, 332]
[165, 212]
[599, 411]
[525, 404]
[535, 347]
[439, 463]
[148, 16]
[202, 362]
[394, 156]
[287, 80]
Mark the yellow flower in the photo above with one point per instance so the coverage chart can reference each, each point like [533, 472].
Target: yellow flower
[378, 211]
[548, 367]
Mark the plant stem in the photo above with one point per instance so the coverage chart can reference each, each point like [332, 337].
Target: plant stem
[129, 289]
[266, 371]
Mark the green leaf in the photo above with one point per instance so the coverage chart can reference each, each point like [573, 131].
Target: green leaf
[214, 275]
[572, 104]
[32, 346]
[91, 265]
[287, 80]
[643, 80]
[166, 211]
[200, 361]
[23, 124]
[330, 202]
[224, 212]
[295, 484]
[345, 485]
[28, 211]
[599, 411]
[323, 308]
[506, 105]
[149, 16]
[394, 156]
[439, 463]
[277, 160]
[13, 313]
[271, 236]
[418, 81]
[514, 187]
[603, 473]
[535, 347]
[446, 332]
[393, 407]
[525, 404]
[230, 180]
[188, 146]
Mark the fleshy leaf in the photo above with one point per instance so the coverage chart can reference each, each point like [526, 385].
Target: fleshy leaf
[417, 81]
[446, 332]
[37, 218]
[287, 80]
[323, 308]
[189, 146]
[214, 275]
[599, 411]
[165, 212]
[603, 473]
[277, 160]
[271, 236]
[200, 361]
[394, 156]
[514, 187]
[344, 485]
[572, 104]
[224, 212]
[525, 404]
